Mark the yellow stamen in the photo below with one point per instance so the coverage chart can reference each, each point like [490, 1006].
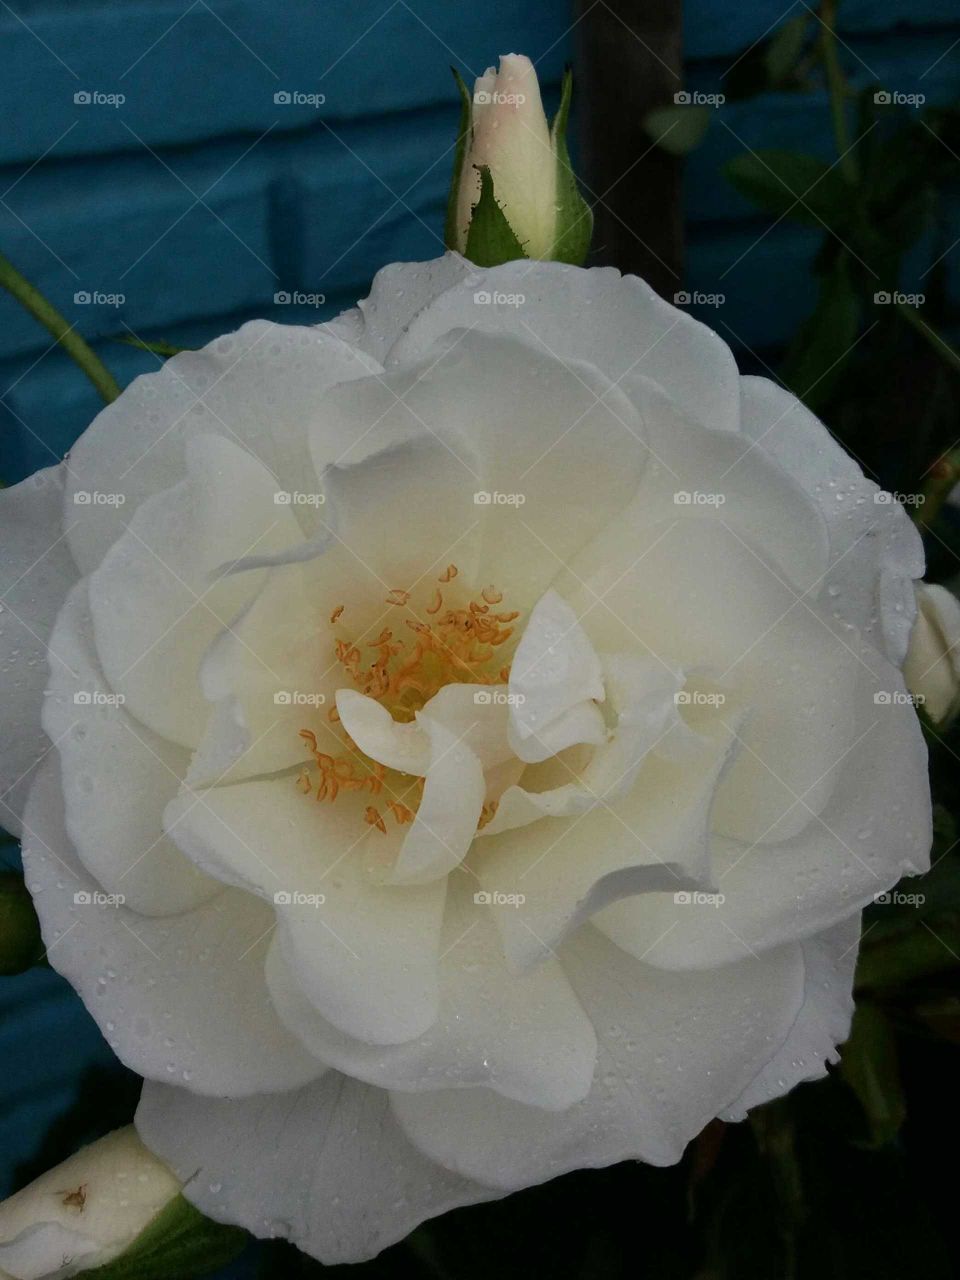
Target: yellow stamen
[457, 646]
[372, 817]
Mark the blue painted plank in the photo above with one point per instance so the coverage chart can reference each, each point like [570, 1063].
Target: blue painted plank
[214, 68]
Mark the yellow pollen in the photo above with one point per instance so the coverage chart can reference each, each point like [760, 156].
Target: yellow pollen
[457, 645]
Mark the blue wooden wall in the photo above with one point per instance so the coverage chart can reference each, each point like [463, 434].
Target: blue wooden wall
[200, 197]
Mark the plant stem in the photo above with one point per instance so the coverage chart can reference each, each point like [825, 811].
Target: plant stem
[942, 348]
[46, 313]
[837, 87]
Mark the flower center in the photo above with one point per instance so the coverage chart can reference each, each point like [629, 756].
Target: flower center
[445, 639]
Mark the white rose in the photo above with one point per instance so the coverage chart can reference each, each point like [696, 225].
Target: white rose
[605, 623]
[932, 667]
[86, 1211]
[507, 135]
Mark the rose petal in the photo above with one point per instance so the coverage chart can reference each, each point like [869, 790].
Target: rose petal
[406, 747]
[155, 602]
[399, 292]
[699, 596]
[655, 837]
[365, 954]
[180, 998]
[501, 434]
[105, 751]
[823, 1022]
[36, 572]
[696, 472]
[555, 668]
[326, 1167]
[275, 670]
[261, 387]
[525, 1037]
[448, 813]
[875, 549]
[626, 328]
[646, 1103]
[875, 827]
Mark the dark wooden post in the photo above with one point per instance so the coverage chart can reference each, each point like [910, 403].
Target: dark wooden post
[629, 62]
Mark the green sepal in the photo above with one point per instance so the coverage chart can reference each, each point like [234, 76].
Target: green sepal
[178, 1244]
[574, 215]
[463, 134]
[20, 944]
[490, 240]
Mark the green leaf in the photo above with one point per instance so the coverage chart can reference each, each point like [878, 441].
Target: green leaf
[178, 1244]
[784, 49]
[490, 239]
[771, 64]
[20, 943]
[463, 134]
[574, 215]
[923, 952]
[791, 184]
[870, 1066]
[677, 129]
[822, 347]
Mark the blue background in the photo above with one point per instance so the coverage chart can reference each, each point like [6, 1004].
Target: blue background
[201, 197]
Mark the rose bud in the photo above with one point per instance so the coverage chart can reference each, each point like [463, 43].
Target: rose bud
[932, 668]
[514, 194]
[86, 1211]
